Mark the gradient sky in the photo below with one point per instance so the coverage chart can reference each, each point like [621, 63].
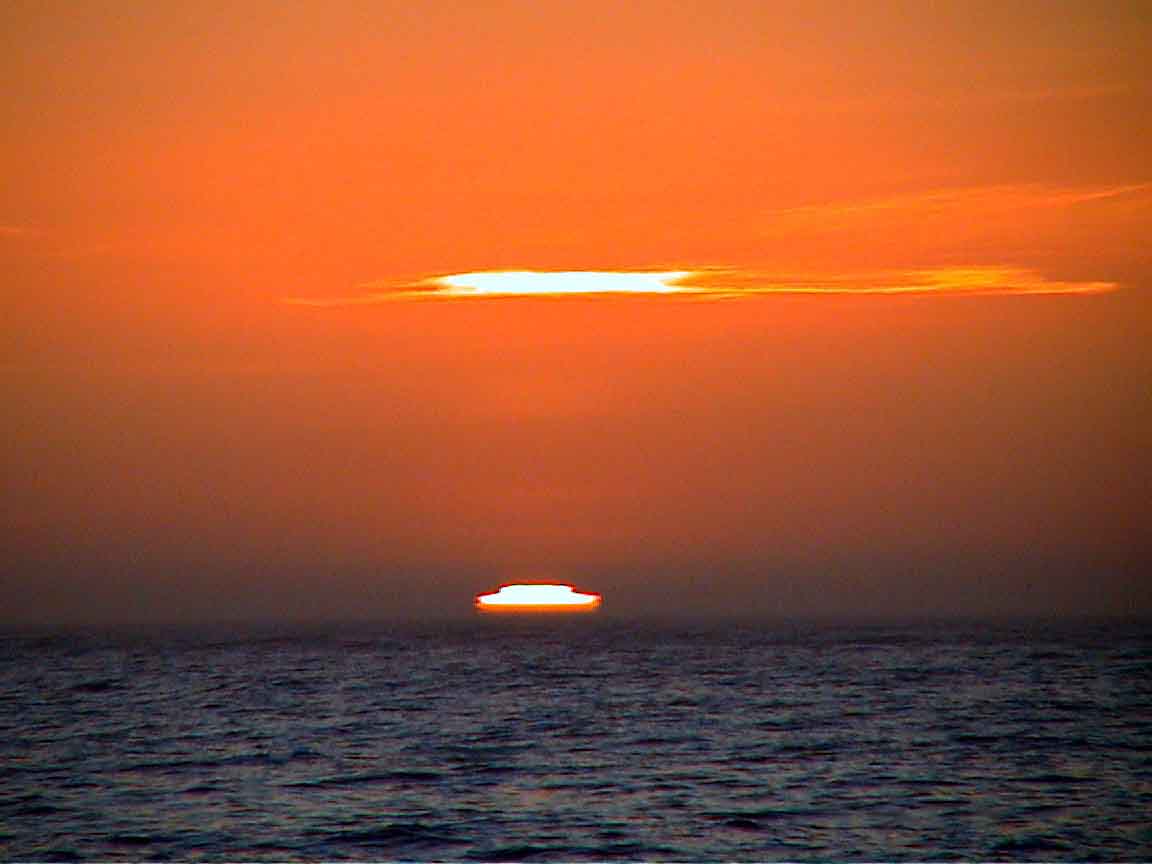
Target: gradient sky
[211, 413]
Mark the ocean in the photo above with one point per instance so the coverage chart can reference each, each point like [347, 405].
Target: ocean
[586, 739]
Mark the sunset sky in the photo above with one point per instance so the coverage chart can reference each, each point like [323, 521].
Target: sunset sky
[881, 345]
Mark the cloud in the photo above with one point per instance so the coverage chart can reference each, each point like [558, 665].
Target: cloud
[1027, 197]
[710, 283]
[1041, 226]
[943, 281]
[12, 231]
[975, 240]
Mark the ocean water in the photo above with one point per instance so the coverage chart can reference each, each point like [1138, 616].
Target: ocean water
[584, 739]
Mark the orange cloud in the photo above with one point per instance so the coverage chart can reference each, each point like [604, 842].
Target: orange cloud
[1021, 225]
[986, 198]
[942, 281]
[13, 231]
[713, 283]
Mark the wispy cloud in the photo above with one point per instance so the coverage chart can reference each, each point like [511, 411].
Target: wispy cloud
[10, 230]
[710, 283]
[940, 281]
[963, 199]
[998, 211]
[976, 98]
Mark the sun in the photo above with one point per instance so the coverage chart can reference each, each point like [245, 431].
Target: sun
[537, 597]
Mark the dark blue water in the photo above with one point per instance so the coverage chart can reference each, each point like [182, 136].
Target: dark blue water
[581, 740]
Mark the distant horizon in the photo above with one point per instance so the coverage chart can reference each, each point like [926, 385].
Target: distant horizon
[607, 614]
[467, 626]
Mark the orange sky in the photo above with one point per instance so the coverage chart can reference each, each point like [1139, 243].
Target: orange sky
[185, 436]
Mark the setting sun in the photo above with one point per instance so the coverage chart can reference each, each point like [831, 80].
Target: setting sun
[537, 598]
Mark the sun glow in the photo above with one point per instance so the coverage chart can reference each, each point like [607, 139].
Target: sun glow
[537, 598]
[714, 283]
[520, 283]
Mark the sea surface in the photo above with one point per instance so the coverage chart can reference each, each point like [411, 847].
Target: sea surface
[580, 739]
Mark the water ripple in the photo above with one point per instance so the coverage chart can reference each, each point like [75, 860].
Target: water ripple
[591, 743]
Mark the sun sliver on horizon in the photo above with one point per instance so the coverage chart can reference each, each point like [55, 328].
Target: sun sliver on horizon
[537, 598]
